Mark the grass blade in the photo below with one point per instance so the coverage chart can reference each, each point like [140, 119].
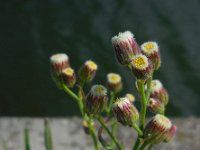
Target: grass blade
[47, 135]
[26, 139]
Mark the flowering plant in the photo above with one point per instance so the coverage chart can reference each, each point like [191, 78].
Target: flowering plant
[143, 61]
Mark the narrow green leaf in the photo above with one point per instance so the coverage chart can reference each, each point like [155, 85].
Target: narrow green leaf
[26, 139]
[47, 135]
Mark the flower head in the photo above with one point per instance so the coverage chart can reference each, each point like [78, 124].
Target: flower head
[156, 130]
[96, 99]
[141, 67]
[170, 133]
[88, 71]
[157, 91]
[125, 112]
[151, 50]
[59, 62]
[68, 77]
[125, 47]
[114, 82]
[156, 106]
[130, 96]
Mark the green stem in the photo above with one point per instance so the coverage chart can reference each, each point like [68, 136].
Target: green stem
[81, 107]
[143, 145]
[112, 97]
[113, 127]
[137, 144]
[92, 133]
[140, 84]
[150, 146]
[137, 129]
[143, 104]
[73, 95]
[109, 133]
[148, 87]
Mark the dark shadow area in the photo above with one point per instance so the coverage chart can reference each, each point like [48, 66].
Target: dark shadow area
[32, 30]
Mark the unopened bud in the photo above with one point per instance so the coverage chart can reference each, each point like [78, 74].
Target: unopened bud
[156, 130]
[151, 50]
[86, 126]
[68, 77]
[141, 67]
[156, 106]
[114, 82]
[159, 92]
[170, 134]
[59, 62]
[130, 96]
[88, 71]
[96, 99]
[125, 112]
[125, 47]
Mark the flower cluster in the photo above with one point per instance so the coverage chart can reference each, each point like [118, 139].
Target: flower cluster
[143, 61]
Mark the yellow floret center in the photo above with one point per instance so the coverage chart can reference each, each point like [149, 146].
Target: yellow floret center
[149, 46]
[91, 65]
[113, 78]
[99, 90]
[139, 62]
[131, 97]
[68, 71]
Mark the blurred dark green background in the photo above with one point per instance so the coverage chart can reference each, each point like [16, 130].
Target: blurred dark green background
[32, 30]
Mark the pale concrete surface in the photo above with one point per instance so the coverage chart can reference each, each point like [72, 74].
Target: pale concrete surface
[68, 134]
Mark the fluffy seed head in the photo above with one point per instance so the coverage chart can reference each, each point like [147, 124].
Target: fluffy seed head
[59, 62]
[122, 37]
